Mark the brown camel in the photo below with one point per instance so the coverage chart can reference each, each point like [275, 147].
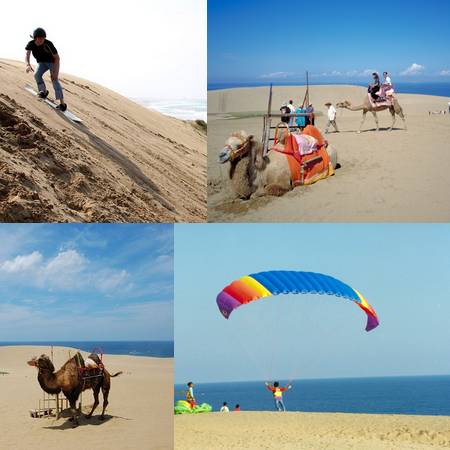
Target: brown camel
[367, 106]
[72, 379]
[253, 174]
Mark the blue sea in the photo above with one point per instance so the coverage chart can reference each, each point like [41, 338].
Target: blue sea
[181, 109]
[157, 349]
[424, 395]
[426, 88]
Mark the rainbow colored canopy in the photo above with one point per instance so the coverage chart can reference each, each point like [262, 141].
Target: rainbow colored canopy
[264, 284]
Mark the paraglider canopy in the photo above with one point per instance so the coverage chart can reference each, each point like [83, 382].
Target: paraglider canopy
[265, 284]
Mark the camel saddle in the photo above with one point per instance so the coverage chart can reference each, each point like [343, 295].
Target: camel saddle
[308, 164]
[387, 101]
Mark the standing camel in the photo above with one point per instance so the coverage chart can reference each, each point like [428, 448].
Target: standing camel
[367, 106]
[72, 379]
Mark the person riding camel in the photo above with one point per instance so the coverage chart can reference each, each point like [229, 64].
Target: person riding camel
[47, 58]
[374, 87]
[387, 89]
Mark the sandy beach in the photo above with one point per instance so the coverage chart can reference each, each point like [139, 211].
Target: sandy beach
[397, 176]
[125, 163]
[310, 431]
[139, 415]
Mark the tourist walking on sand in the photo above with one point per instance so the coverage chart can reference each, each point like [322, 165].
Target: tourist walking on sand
[331, 117]
[225, 407]
[190, 397]
[277, 392]
[47, 58]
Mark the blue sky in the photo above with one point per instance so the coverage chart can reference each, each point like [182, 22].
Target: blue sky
[86, 282]
[257, 40]
[402, 270]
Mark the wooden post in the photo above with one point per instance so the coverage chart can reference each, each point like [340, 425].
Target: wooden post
[57, 406]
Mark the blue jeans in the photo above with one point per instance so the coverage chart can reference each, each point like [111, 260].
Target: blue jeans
[42, 68]
[279, 405]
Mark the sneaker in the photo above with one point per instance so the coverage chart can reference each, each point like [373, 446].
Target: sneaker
[43, 94]
[62, 107]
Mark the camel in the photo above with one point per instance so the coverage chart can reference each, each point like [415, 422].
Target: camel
[253, 174]
[72, 380]
[367, 106]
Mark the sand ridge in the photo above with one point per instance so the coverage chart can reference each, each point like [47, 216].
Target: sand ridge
[124, 163]
[139, 414]
[397, 176]
[310, 431]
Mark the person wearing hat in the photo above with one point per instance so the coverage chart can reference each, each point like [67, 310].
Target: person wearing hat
[331, 117]
[47, 58]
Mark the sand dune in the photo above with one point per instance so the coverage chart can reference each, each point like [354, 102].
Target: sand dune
[139, 415]
[310, 431]
[398, 176]
[125, 163]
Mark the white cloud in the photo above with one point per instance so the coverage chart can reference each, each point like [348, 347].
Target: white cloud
[22, 263]
[277, 75]
[444, 73]
[110, 279]
[413, 69]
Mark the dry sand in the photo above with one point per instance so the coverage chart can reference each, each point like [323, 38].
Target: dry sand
[126, 163]
[310, 431]
[139, 415]
[397, 176]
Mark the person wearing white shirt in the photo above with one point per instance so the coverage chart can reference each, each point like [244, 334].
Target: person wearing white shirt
[387, 79]
[292, 109]
[331, 117]
[225, 407]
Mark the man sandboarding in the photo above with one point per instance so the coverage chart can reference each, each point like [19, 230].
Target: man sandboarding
[47, 58]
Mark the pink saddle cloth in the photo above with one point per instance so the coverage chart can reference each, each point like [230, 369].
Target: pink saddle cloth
[388, 101]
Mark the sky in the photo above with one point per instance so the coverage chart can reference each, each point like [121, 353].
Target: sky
[401, 269]
[85, 282]
[344, 41]
[141, 49]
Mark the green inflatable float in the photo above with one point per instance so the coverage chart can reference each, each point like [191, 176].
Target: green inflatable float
[183, 407]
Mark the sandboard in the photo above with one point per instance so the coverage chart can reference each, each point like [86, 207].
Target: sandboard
[71, 116]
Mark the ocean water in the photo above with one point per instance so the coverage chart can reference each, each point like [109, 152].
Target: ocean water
[181, 109]
[427, 88]
[157, 349]
[425, 395]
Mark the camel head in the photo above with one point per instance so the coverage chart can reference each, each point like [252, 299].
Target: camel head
[236, 146]
[42, 363]
[344, 104]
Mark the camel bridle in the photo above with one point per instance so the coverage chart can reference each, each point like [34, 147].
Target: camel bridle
[240, 151]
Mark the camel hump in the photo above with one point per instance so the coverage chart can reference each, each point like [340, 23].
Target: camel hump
[94, 357]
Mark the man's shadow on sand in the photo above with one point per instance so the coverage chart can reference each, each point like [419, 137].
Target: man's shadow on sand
[367, 130]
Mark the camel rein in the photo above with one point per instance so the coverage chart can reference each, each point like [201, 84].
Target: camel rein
[240, 151]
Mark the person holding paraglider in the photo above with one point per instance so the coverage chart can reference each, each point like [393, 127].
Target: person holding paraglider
[277, 392]
[190, 398]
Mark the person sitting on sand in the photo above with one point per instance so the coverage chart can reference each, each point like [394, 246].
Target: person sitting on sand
[190, 398]
[277, 392]
[47, 58]
[331, 117]
[374, 87]
[237, 408]
[225, 407]
[285, 110]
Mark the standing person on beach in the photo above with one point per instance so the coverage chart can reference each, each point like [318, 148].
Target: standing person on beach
[277, 392]
[331, 117]
[225, 407]
[300, 120]
[190, 397]
[47, 58]
[310, 119]
[292, 111]
[284, 111]
[237, 408]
